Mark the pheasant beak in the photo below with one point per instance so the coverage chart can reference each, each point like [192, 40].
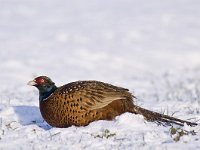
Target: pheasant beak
[32, 83]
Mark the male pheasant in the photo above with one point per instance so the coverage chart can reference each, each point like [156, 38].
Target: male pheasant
[79, 103]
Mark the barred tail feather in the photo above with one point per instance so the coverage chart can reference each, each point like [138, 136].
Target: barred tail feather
[154, 116]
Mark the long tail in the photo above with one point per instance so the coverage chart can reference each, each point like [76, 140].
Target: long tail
[154, 116]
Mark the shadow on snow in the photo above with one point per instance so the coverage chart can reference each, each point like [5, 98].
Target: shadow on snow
[28, 115]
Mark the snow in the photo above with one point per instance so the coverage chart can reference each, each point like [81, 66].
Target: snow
[152, 48]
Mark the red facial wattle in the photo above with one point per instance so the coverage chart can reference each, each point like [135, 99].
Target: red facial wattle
[40, 80]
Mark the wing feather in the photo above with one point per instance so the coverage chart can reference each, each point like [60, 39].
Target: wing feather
[100, 94]
[95, 94]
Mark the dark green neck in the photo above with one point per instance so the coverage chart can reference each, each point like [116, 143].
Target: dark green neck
[45, 92]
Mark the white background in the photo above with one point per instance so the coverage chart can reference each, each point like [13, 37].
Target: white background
[151, 47]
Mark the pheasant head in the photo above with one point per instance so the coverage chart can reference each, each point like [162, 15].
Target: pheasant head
[45, 86]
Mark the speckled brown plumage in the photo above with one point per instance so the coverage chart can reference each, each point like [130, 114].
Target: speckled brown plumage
[79, 103]
[82, 102]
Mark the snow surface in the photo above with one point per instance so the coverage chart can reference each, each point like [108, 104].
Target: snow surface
[151, 47]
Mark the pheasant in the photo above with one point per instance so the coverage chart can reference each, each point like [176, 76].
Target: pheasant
[82, 102]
